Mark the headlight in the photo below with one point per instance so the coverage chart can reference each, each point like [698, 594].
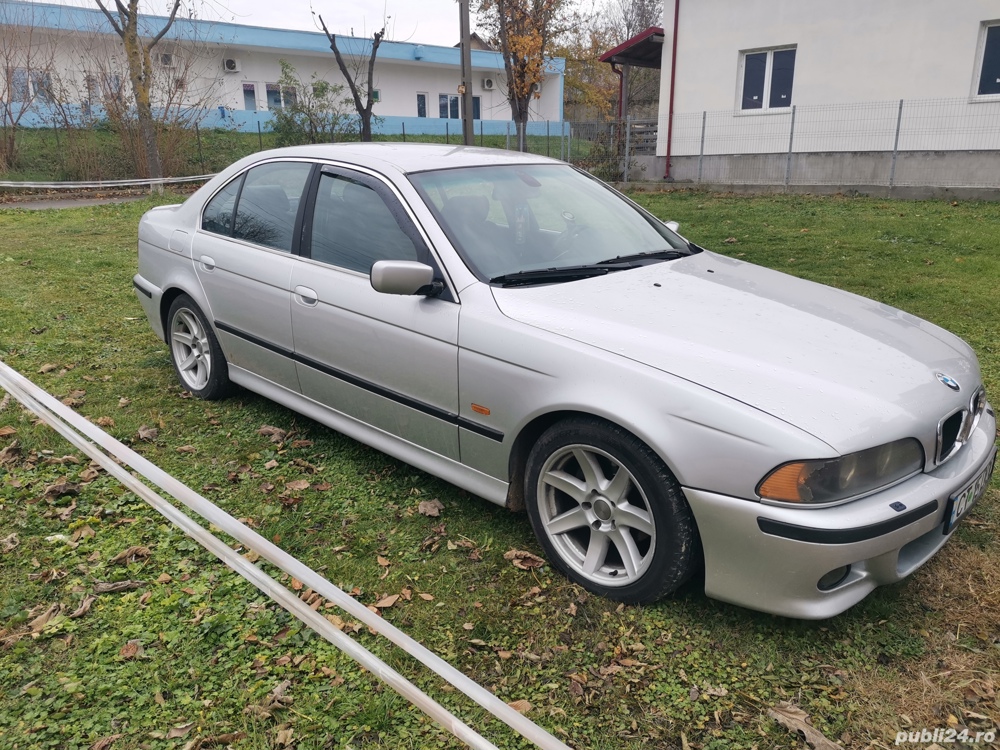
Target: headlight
[830, 480]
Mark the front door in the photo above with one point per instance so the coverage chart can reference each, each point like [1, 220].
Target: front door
[389, 361]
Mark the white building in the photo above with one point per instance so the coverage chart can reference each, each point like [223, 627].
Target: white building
[759, 90]
[236, 68]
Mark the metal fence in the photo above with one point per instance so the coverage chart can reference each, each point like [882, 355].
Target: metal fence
[931, 142]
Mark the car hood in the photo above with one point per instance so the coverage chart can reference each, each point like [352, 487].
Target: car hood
[848, 370]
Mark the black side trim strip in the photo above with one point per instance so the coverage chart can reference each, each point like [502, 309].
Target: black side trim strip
[378, 390]
[844, 536]
[486, 432]
[142, 290]
[254, 340]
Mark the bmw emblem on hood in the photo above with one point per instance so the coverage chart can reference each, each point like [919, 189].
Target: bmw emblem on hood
[948, 381]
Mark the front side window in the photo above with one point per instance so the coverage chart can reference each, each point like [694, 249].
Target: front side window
[767, 79]
[354, 226]
[260, 206]
[421, 105]
[989, 71]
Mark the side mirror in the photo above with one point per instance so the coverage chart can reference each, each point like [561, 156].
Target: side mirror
[404, 277]
[673, 226]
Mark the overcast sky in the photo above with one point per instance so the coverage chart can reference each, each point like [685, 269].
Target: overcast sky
[420, 21]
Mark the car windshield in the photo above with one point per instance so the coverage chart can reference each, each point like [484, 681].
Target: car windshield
[517, 219]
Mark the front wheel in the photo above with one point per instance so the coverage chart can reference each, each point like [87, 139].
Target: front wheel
[608, 512]
[195, 351]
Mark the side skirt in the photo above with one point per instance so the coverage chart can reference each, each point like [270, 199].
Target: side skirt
[490, 488]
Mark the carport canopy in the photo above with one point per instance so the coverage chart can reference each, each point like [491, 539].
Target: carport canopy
[644, 50]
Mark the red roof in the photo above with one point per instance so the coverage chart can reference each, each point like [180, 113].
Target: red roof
[644, 50]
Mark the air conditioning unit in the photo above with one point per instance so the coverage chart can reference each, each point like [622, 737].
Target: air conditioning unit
[536, 88]
[231, 64]
[489, 84]
[167, 60]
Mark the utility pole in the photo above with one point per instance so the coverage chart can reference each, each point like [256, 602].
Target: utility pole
[468, 130]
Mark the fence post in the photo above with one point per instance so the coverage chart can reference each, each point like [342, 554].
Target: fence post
[791, 140]
[569, 145]
[701, 150]
[447, 133]
[482, 141]
[404, 131]
[628, 145]
[548, 139]
[508, 135]
[895, 146]
[562, 140]
[201, 155]
[260, 138]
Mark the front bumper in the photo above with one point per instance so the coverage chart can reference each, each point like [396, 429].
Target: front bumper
[772, 558]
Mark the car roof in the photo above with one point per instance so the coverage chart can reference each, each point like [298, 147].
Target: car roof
[408, 158]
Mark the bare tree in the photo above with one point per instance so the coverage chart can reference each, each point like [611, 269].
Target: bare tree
[363, 76]
[26, 63]
[138, 54]
[523, 30]
[628, 17]
[625, 19]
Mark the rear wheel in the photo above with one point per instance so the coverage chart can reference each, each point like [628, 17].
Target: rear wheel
[608, 512]
[198, 360]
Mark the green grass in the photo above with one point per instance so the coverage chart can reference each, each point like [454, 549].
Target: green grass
[598, 674]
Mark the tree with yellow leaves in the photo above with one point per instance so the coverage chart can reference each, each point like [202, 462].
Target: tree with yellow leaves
[523, 30]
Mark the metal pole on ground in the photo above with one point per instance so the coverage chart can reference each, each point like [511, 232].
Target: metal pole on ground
[260, 137]
[791, 141]
[895, 147]
[201, 155]
[701, 151]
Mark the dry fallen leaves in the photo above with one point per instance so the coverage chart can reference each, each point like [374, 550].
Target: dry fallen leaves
[298, 485]
[523, 560]
[132, 554]
[105, 742]
[9, 543]
[795, 719]
[431, 508]
[147, 433]
[7, 431]
[521, 706]
[113, 587]
[276, 434]
[131, 650]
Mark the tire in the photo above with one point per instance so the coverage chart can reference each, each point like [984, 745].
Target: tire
[608, 512]
[198, 359]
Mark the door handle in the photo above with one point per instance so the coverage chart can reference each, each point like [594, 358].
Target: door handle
[306, 296]
[207, 263]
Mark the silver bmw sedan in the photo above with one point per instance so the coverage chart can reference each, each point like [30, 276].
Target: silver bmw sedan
[520, 329]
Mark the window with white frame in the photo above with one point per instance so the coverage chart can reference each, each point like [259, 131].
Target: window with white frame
[448, 106]
[766, 78]
[28, 85]
[989, 67]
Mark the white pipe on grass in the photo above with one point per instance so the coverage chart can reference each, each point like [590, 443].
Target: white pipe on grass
[285, 562]
[265, 583]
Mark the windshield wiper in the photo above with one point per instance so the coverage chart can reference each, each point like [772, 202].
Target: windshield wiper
[556, 275]
[670, 254]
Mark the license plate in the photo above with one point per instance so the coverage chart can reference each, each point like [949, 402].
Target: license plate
[962, 502]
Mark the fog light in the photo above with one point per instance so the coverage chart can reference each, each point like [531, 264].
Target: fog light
[834, 578]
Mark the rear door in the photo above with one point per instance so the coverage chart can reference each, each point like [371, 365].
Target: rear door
[389, 361]
[243, 256]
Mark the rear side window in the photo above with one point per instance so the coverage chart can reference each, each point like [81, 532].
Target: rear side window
[266, 201]
[218, 216]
